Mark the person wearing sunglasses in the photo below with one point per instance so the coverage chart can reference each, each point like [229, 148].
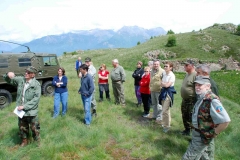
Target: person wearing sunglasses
[28, 96]
[145, 91]
[166, 96]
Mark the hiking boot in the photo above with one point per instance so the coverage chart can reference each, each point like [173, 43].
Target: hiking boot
[24, 142]
[185, 132]
[100, 100]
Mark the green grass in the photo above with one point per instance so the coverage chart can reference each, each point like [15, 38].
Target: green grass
[121, 133]
[117, 133]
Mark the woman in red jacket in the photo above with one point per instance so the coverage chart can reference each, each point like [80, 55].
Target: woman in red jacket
[145, 91]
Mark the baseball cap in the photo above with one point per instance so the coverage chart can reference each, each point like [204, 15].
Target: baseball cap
[31, 69]
[202, 79]
[87, 59]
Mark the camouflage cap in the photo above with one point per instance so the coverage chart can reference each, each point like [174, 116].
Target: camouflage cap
[87, 59]
[202, 79]
[31, 69]
[189, 61]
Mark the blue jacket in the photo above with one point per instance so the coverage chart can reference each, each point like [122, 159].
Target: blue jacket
[164, 91]
[77, 65]
[63, 87]
[87, 85]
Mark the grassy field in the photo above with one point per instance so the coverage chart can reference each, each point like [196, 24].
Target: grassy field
[116, 133]
[121, 133]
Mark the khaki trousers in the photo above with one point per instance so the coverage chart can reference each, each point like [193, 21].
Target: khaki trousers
[166, 115]
[118, 92]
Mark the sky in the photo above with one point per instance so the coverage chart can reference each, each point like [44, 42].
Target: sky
[25, 20]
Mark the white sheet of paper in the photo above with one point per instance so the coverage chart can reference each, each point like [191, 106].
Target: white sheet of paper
[18, 113]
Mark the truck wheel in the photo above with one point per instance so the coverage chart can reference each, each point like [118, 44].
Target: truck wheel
[48, 88]
[5, 98]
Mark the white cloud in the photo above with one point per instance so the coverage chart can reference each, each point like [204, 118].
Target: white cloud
[28, 19]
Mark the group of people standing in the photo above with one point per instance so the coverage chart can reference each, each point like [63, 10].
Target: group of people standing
[202, 112]
[155, 86]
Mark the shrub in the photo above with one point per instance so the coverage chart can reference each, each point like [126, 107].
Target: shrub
[138, 43]
[170, 32]
[74, 53]
[171, 41]
[212, 50]
[238, 30]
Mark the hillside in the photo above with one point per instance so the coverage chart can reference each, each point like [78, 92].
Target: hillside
[209, 44]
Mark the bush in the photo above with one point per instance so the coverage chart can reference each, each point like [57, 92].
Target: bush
[238, 30]
[212, 50]
[74, 53]
[170, 32]
[171, 41]
[138, 43]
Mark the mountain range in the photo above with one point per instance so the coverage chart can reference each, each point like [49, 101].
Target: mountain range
[126, 37]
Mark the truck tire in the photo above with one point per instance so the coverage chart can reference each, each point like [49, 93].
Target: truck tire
[5, 98]
[48, 88]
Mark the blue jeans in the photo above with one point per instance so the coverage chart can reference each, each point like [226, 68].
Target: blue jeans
[138, 94]
[63, 98]
[87, 108]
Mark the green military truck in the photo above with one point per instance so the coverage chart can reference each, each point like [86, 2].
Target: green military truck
[47, 65]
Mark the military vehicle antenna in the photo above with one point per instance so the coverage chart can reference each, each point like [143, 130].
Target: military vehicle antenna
[17, 44]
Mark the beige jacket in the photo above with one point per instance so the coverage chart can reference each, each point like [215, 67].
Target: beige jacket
[156, 79]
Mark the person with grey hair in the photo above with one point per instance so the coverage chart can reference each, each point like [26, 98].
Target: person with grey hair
[118, 76]
[155, 88]
[204, 70]
[209, 119]
[150, 64]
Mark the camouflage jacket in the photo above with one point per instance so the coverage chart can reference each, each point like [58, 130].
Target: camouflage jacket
[205, 123]
[31, 97]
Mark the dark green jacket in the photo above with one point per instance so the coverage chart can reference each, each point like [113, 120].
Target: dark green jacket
[31, 97]
[214, 87]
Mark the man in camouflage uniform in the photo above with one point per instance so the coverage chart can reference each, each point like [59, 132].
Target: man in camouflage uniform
[118, 77]
[188, 96]
[209, 119]
[28, 96]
